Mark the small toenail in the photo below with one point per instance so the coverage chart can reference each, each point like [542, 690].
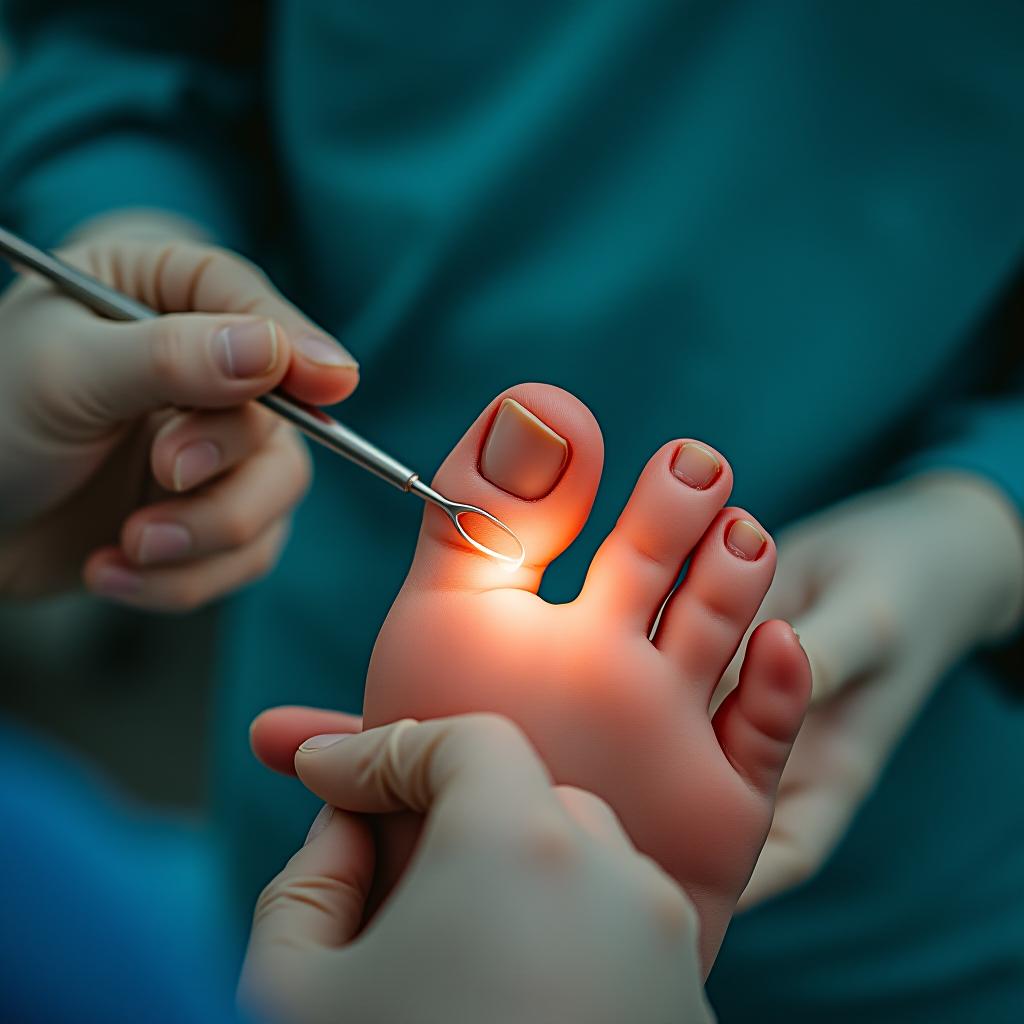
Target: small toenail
[696, 466]
[745, 540]
[522, 454]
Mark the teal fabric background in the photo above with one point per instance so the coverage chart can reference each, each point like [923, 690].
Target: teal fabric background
[779, 227]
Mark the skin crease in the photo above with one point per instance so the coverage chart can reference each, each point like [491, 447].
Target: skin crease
[609, 710]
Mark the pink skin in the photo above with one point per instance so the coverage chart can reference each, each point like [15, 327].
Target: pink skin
[609, 709]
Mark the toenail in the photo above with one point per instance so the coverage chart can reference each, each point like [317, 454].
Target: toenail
[745, 540]
[522, 454]
[696, 466]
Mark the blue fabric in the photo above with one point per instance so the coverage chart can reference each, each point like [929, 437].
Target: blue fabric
[779, 227]
[105, 915]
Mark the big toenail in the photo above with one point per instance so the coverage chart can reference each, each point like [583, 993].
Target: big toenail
[522, 454]
[696, 466]
[745, 540]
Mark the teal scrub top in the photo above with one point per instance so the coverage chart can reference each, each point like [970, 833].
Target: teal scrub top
[780, 227]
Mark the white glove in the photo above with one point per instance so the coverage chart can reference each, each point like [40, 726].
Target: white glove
[522, 903]
[887, 592]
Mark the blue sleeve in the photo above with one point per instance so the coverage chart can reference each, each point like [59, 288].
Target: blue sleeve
[91, 922]
[111, 104]
[983, 431]
[984, 437]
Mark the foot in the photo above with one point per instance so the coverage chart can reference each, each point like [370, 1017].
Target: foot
[613, 704]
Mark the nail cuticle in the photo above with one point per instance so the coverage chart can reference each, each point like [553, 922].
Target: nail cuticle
[745, 540]
[696, 467]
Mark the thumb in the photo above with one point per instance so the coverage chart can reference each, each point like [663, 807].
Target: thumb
[118, 372]
[275, 734]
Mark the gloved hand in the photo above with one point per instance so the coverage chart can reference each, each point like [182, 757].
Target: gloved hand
[130, 454]
[523, 902]
[887, 592]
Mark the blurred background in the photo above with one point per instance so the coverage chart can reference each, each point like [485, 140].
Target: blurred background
[101, 680]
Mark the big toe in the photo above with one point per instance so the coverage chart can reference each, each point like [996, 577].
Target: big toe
[533, 460]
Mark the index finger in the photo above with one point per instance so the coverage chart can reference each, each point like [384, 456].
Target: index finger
[186, 277]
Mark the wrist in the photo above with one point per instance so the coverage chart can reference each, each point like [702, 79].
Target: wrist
[985, 543]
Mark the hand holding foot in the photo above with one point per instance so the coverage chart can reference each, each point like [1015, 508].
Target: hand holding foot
[524, 902]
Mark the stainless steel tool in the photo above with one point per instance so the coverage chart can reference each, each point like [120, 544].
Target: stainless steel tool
[313, 422]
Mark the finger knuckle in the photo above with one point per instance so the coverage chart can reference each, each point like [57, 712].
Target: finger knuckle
[187, 596]
[237, 527]
[658, 896]
[299, 463]
[167, 347]
[882, 618]
[596, 803]
[672, 910]
[223, 258]
[266, 556]
[586, 803]
[547, 840]
[333, 897]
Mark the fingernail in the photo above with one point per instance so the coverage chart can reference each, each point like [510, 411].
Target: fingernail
[745, 540]
[696, 466]
[320, 822]
[247, 349]
[522, 454]
[163, 542]
[324, 352]
[320, 742]
[195, 463]
[113, 581]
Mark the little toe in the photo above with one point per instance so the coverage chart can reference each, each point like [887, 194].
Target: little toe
[705, 619]
[758, 722]
[681, 489]
[533, 459]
